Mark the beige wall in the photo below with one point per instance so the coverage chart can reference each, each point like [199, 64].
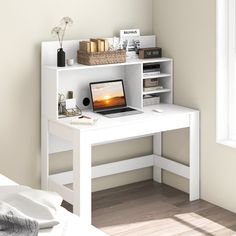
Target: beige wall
[186, 31]
[24, 25]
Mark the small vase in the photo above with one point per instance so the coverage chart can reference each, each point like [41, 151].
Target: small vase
[61, 57]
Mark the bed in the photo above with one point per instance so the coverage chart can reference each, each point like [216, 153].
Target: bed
[69, 225]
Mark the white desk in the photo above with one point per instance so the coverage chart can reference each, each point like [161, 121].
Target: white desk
[108, 130]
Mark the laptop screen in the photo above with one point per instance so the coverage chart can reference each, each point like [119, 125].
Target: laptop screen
[107, 94]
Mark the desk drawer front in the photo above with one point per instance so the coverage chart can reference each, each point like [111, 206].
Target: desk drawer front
[130, 131]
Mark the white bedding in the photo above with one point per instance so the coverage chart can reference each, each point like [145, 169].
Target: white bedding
[69, 225]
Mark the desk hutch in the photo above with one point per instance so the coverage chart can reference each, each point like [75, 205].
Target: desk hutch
[58, 134]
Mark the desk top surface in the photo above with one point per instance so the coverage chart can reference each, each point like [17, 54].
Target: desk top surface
[148, 115]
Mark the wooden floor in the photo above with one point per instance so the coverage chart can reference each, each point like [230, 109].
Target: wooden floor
[152, 209]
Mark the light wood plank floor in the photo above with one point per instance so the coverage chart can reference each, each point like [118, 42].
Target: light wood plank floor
[151, 209]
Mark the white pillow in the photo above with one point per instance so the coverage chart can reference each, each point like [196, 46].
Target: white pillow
[31, 203]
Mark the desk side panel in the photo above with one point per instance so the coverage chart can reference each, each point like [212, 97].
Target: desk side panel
[194, 157]
[134, 85]
[48, 111]
[49, 94]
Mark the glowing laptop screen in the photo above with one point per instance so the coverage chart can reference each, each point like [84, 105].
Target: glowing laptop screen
[107, 95]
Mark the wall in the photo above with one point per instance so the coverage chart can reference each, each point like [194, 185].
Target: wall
[186, 31]
[24, 25]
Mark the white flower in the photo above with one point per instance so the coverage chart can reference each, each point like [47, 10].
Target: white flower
[59, 32]
[56, 31]
[66, 20]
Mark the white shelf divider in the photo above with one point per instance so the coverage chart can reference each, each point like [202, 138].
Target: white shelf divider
[156, 76]
[157, 91]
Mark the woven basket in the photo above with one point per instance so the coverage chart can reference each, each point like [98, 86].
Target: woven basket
[100, 58]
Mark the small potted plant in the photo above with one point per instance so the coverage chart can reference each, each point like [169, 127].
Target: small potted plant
[59, 32]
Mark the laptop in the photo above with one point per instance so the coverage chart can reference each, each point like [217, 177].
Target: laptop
[108, 99]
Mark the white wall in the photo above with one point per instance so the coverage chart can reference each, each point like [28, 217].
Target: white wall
[24, 24]
[186, 31]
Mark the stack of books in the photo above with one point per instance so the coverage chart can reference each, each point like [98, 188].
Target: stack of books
[151, 69]
[94, 45]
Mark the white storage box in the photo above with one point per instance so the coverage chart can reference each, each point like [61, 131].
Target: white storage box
[148, 101]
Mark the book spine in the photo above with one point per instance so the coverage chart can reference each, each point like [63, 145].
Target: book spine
[93, 46]
[106, 45]
[84, 46]
[102, 45]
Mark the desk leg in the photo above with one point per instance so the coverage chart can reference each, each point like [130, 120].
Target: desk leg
[44, 156]
[82, 203]
[194, 156]
[157, 173]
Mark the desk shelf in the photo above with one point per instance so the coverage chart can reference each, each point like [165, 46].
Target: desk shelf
[76, 78]
[128, 62]
[57, 80]
[157, 91]
[165, 79]
[156, 76]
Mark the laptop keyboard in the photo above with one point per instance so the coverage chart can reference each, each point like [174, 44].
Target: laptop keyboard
[119, 110]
